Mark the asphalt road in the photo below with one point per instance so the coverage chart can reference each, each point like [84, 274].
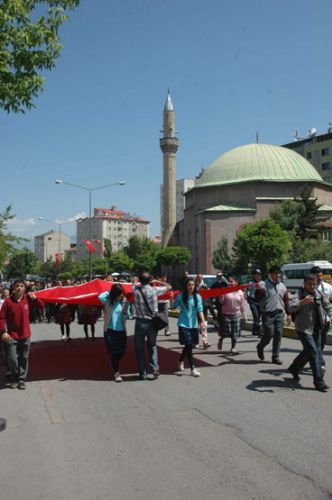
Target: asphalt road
[243, 430]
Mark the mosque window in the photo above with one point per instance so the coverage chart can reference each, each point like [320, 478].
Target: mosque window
[326, 165]
[325, 152]
[309, 155]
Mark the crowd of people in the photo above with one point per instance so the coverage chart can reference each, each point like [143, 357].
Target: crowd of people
[269, 301]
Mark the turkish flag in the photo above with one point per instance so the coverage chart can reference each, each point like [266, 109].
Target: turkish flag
[58, 259]
[90, 246]
[100, 245]
[87, 293]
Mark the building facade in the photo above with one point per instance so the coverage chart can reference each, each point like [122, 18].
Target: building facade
[238, 188]
[111, 224]
[317, 149]
[47, 245]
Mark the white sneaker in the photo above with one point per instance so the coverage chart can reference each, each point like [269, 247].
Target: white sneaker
[63, 337]
[117, 377]
[195, 373]
[167, 333]
[233, 351]
[181, 366]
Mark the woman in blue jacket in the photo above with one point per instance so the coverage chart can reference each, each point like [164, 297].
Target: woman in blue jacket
[191, 309]
[115, 315]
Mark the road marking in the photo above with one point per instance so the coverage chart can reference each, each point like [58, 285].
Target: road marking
[52, 409]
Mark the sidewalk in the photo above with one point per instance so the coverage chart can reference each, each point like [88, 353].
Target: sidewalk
[289, 331]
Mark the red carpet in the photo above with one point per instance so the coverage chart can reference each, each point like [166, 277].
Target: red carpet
[87, 360]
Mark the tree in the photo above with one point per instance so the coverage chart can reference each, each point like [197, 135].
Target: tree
[262, 243]
[107, 248]
[7, 239]
[120, 262]
[221, 259]
[301, 219]
[29, 45]
[21, 263]
[137, 246]
[145, 262]
[172, 257]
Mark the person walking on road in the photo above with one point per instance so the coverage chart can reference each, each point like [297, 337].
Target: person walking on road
[326, 289]
[63, 318]
[310, 307]
[115, 335]
[15, 331]
[191, 309]
[274, 303]
[146, 306]
[232, 310]
[163, 304]
[254, 302]
[88, 316]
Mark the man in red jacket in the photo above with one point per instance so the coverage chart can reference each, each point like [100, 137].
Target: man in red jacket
[15, 331]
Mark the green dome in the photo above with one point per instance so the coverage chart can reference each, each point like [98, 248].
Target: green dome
[258, 162]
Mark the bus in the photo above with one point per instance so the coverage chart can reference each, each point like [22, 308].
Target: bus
[293, 274]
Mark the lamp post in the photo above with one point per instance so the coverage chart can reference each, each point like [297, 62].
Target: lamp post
[61, 181]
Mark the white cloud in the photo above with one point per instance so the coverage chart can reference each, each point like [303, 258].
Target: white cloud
[16, 225]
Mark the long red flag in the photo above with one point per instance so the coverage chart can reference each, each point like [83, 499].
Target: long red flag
[88, 292]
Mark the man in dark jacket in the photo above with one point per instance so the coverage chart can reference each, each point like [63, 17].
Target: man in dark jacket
[15, 331]
[310, 307]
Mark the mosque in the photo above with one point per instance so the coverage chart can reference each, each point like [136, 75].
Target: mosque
[239, 187]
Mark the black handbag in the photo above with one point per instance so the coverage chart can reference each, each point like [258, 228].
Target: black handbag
[159, 320]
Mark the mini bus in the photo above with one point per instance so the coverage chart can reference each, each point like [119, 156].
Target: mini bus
[293, 274]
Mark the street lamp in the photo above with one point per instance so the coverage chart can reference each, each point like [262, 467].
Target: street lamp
[61, 181]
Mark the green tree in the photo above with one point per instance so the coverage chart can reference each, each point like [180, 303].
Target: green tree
[107, 248]
[137, 246]
[172, 257]
[221, 258]
[29, 45]
[99, 266]
[262, 243]
[8, 240]
[301, 219]
[145, 262]
[120, 262]
[22, 262]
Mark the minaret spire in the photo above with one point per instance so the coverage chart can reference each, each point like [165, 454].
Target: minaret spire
[169, 144]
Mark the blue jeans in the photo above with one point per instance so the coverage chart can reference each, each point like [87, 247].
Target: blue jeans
[144, 329]
[311, 352]
[273, 326]
[18, 359]
[256, 317]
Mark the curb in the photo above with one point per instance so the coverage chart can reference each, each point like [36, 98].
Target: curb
[289, 331]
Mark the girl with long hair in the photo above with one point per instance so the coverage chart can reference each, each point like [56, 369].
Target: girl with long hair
[115, 314]
[191, 309]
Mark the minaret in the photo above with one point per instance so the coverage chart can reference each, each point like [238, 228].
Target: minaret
[169, 145]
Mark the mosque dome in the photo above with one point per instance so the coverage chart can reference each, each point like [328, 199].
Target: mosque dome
[258, 162]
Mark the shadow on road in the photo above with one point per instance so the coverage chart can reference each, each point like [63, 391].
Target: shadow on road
[268, 385]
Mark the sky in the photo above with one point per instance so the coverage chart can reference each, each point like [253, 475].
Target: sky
[233, 68]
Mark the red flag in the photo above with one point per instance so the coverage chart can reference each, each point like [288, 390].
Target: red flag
[88, 292]
[90, 246]
[57, 259]
[100, 245]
